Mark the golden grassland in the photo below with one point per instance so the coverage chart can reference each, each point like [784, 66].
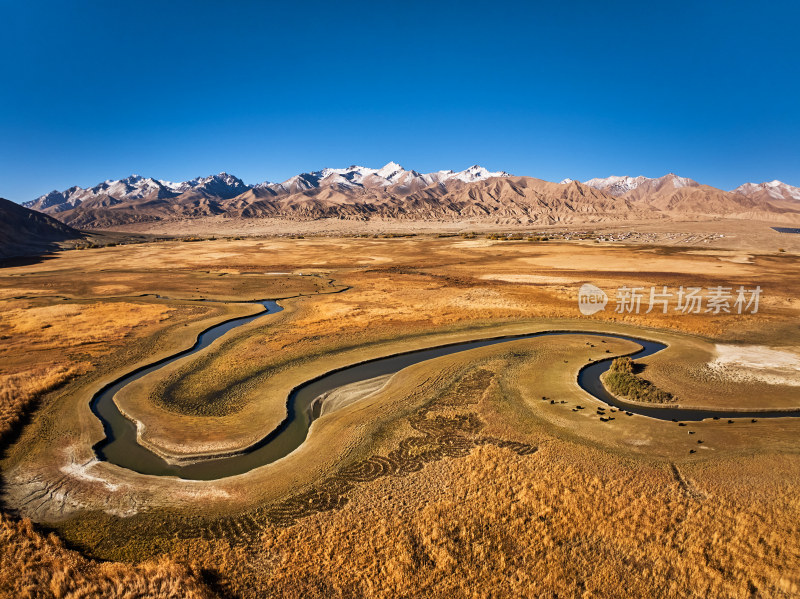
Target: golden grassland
[505, 525]
[45, 346]
[37, 565]
[443, 483]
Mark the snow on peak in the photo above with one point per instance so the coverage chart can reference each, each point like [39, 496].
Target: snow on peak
[223, 177]
[477, 173]
[174, 187]
[133, 187]
[678, 182]
[389, 168]
[391, 174]
[222, 185]
[58, 200]
[136, 187]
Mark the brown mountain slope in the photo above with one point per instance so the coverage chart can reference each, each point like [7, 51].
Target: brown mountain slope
[24, 232]
[103, 212]
[508, 199]
[521, 200]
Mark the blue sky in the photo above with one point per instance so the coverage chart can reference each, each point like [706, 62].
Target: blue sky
[264, 90]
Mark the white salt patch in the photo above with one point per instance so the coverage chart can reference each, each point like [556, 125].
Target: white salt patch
[749, 363]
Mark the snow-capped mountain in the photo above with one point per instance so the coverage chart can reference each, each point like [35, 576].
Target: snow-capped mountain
[134, 187]
[618, 186]
[776, 190]
[222, 185]
[472, 174]
[56, 201]
[137, 187]
[225, 186]
[389, 175]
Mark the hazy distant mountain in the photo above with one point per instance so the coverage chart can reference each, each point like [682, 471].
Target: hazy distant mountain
[622, 186]
[392, 192]
[24, 231]
[680, 197]
[774, 190]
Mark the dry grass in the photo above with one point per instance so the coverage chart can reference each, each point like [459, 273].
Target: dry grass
[743, 234]
[20, 390]
[548, 525]
[77, 325]
[36, 565]
[45, 347]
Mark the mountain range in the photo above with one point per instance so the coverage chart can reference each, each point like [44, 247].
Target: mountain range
[392, 192]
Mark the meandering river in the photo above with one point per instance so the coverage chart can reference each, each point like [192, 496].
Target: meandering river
[122, 448]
